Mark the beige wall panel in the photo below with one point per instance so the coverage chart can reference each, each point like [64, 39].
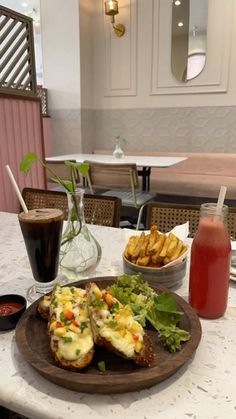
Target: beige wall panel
[121, 52]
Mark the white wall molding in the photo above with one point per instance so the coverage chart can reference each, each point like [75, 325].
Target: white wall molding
[215, 75]
[121, 53]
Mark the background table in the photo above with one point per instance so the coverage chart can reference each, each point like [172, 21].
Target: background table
[204, 388]
[143, 162]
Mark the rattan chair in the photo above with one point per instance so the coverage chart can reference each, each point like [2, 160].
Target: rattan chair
[167, 215]
[100, 210]
[232, 222]
[121, 180]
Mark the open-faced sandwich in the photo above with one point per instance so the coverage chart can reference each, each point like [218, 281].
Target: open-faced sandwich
[69, 327]
[78, 318]
[115, 328]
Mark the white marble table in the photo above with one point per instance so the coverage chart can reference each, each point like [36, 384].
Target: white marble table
[204, 388]
[148, 161]
[145, 162]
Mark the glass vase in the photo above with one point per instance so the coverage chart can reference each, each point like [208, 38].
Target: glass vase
[80, 251]
[118, 153]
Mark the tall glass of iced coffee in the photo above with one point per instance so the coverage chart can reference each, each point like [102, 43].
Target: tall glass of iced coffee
[42, 229]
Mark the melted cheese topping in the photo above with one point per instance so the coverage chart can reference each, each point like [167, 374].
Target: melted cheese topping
[69, 323]
[80, 343]
[116, 322]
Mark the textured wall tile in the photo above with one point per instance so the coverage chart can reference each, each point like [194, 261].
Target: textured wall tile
[66, 131]
[209, 129]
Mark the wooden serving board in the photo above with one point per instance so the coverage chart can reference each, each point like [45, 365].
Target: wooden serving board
[121, 375]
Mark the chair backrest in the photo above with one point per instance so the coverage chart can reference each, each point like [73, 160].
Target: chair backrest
[167, 215]
[232, 222]
[101, 210]
[42, 198]
[117, 175]
[61, 170]
[113, 176]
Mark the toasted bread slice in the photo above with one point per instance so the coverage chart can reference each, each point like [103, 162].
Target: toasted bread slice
[71, 339]
[115, 328]
[45, 301]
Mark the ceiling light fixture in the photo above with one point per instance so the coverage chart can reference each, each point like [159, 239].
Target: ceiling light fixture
[177, 2]
[180, 24]
[112, 9]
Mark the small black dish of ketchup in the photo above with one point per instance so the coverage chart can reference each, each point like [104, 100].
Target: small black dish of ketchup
[12, 306]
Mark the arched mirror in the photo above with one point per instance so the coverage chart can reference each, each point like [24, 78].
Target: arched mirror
[188, 38]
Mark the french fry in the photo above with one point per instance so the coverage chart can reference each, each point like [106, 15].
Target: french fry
[144, 245]
[177, 251]
[153, 237]
[166, 260]
[138, 245]
[133, 259]
[157, 248]
[129, 250]
[143, 261]
[172, 246]
[183, 250]
[165, 247]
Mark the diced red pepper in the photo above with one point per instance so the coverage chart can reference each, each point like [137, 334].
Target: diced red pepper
[135, 337]
[69, 315]
[75, 323]
[58, 324]
[109, 300]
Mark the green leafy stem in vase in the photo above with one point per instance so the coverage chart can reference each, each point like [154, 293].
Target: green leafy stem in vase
[121, 141]
[69, 185]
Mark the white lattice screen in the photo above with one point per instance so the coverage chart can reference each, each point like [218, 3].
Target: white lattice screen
[17, 61]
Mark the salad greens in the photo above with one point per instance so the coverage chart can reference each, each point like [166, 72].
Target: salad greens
[159, 309]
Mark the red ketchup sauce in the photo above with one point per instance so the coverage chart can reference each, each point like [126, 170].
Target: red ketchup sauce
[9, 308]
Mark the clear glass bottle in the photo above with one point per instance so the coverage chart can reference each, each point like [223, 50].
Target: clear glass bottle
[80, 251]
[210, 263]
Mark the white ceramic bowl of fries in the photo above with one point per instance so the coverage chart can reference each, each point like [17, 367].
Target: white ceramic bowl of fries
[157, 256]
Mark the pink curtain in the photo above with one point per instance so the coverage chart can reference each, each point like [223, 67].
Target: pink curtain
[20, 132]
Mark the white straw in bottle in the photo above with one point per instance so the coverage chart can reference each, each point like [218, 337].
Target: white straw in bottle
[221, 199]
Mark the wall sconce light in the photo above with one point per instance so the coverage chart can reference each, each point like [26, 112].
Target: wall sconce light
[111, 9]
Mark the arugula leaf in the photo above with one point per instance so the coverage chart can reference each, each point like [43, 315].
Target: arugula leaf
[172, 336]
[135, 284]
[164, 309]
[140, 313]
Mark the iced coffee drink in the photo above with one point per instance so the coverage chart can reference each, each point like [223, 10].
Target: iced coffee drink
[42, 229]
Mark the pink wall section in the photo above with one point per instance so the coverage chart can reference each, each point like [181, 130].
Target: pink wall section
[20, 132]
